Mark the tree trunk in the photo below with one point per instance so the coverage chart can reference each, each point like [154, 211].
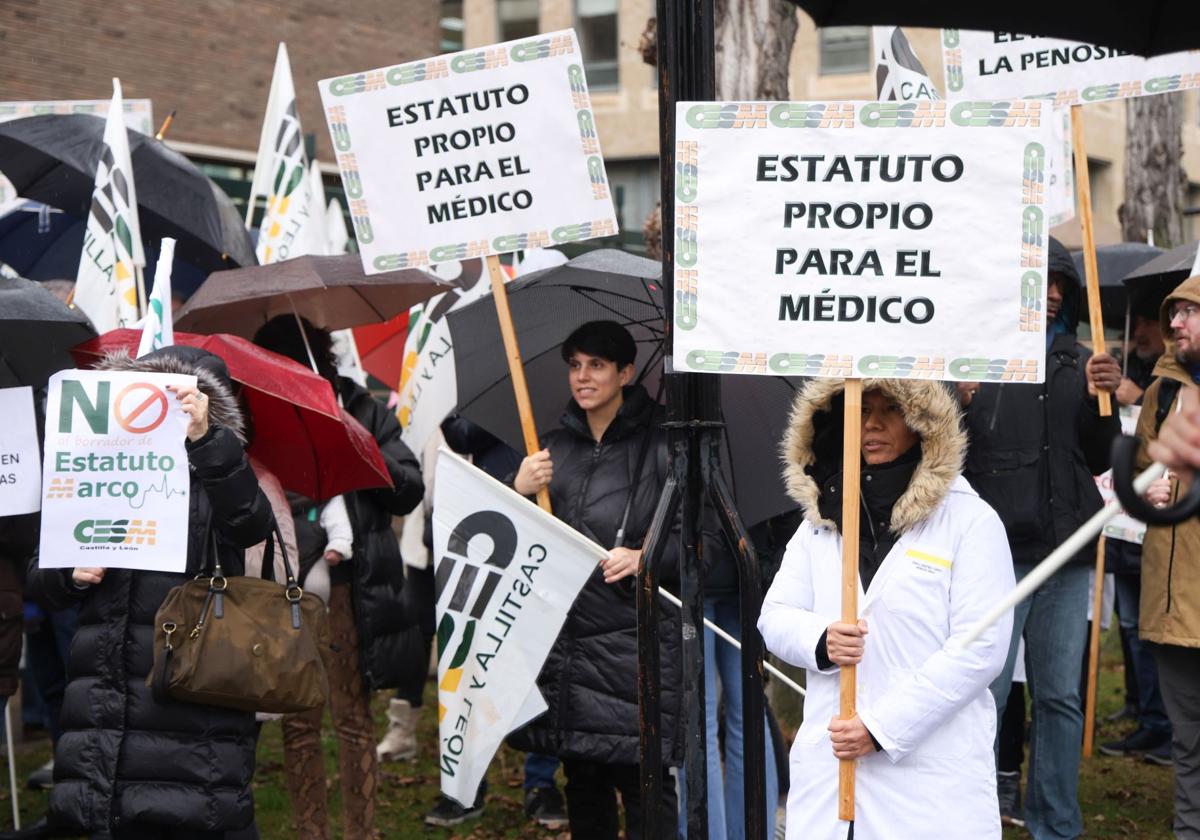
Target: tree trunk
[1155, 181]
[754, 47]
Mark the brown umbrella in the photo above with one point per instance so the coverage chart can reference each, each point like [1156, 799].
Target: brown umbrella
[331, 292]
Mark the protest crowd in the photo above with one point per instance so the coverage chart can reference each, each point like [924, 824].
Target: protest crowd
[218, 518]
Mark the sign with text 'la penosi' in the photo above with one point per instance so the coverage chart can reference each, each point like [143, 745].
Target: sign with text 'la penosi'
[486, 151]
[993, 65]
[862, 239]
[115, 478]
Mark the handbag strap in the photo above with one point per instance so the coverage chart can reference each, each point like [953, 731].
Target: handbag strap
[291, 586]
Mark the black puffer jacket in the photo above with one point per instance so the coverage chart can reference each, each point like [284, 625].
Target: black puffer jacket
[390, 643]
[1035, 448]
[589, 680]
[123, 757]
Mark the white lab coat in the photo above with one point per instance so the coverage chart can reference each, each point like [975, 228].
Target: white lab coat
[924, 699]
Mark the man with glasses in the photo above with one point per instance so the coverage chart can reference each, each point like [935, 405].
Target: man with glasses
[1034, 450]
[1170, 609]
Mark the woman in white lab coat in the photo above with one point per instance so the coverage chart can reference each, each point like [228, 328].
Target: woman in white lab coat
[933, 558]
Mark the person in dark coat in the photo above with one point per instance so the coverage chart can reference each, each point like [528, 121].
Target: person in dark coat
[127, 765]
[375, 629]
[589, 680]
[1033, 452]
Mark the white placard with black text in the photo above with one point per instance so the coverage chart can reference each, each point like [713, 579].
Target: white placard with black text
[486, 151]
[862, 239]
[20, 464]
[997, 65]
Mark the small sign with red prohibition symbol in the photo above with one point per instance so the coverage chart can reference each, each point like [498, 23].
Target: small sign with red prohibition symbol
[115, 475]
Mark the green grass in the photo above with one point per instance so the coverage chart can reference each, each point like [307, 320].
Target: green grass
[1122, 798]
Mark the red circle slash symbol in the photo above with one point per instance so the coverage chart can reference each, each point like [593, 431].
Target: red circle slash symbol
[143, 408]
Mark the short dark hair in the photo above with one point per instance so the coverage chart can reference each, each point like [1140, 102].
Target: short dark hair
[606, 339]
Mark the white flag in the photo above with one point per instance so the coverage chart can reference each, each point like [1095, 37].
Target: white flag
[158, 330]
[899, 74]
[337, 237]
[106, 284]
[507, 574]
[1196, 263]
[281, 172]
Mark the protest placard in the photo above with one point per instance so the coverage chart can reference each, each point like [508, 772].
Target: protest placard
[507, 574]
[862, 239]
[990, 65]
[20, 464]
[486, 151]
[115, 475]
[1122, 526]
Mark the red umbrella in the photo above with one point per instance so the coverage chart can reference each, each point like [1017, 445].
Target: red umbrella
[381, 348]
[301, 434]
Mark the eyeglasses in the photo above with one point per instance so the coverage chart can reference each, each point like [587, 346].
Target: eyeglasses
[1184, 312]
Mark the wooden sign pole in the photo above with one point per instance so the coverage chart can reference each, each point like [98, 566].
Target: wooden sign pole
[851, 477]
[1089, 715]
[515, 367]
[1083, 184]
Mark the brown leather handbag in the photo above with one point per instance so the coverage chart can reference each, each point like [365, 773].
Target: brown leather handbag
[242, 642]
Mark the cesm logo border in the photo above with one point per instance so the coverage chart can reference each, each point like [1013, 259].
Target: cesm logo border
[91, 532]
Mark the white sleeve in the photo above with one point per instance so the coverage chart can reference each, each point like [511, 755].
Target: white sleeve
[338, 532]
[922, 701]
[789, 627]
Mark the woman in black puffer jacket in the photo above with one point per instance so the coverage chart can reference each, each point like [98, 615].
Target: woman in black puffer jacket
[589, 680]
[125, 764]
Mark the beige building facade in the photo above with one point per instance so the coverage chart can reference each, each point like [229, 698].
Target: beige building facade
[826, 65]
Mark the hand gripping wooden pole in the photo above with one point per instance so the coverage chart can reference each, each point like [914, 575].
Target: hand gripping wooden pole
[1089, 716]
[516, 369]
[852, 443]
[1083, 185]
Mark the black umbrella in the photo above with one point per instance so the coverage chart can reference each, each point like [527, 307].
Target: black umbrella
[40, 242]
[36, 331]
[1113, 263]
[52, 158]
[610, 285]
[1152, 27]
[1175, 264]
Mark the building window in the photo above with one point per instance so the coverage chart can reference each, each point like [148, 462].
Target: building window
[845, 49]
[596, 24]
[517, 19]
[452, 25]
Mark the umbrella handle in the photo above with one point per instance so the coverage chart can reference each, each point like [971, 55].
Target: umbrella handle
[1124, 453]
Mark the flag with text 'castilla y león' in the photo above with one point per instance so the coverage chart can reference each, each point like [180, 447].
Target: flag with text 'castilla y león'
[899, 74]
[294, 222]
[106, 284]
[507, 573]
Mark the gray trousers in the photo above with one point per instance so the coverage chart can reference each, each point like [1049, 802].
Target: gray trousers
[1179, 678]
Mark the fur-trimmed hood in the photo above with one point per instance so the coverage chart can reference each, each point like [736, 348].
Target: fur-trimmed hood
[929, 410]
[212, 377]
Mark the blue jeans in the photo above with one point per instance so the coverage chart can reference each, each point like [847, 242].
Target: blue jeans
[540, 770]
[49, 652]
[1152, 714]
[1054, 622]
[726, 798]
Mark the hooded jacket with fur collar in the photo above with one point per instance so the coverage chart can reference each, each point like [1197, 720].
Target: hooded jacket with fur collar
[922, 695]
[125, 760]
